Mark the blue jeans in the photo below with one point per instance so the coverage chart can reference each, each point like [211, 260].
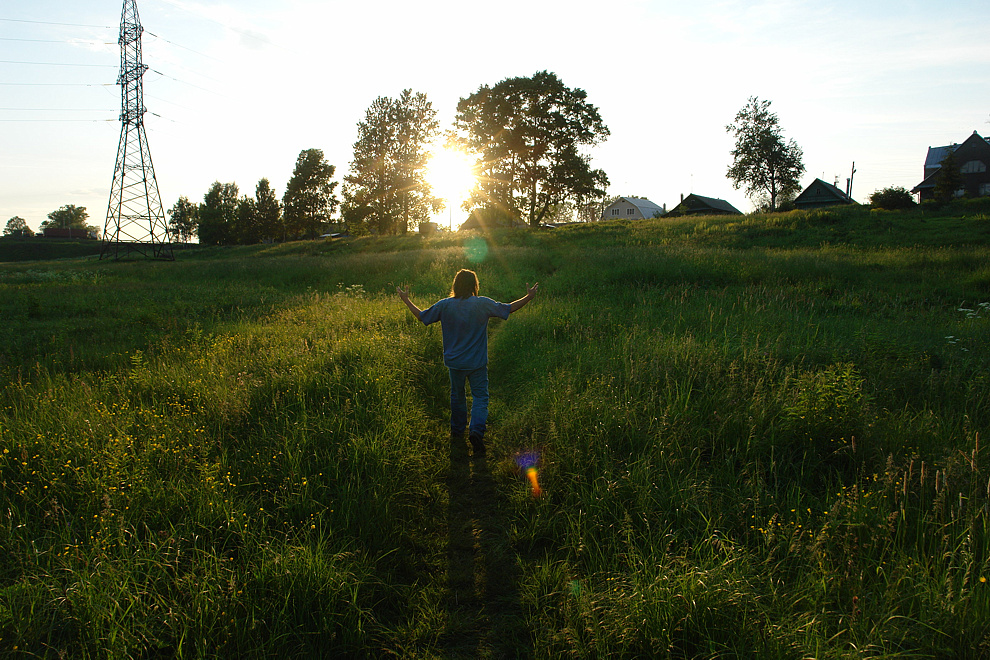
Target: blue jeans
[479, 400]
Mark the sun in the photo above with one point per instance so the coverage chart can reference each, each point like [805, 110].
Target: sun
[451, 175]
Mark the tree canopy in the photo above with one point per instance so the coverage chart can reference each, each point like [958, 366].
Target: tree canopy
[948, 179]
[17, 227]
[528, 132]
[183, 220]
[892, 198]
[309, 200]
[218, 214]
[69, 216]
[387, 189]
[768, 167]
[268, 211]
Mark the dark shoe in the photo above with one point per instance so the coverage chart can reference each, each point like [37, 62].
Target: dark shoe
[477, 443]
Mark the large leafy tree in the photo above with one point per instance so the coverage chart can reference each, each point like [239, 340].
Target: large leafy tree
[529, 132]
[268, 211]
[17, 227]
[387, 188]
[218, 214]
[309, 200]
[69, 216]
[183, 220]
[768, 167]
[246, 231]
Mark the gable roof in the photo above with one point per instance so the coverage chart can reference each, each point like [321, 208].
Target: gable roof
[937, 154]
[696, 202]
[645, 206]
[831, 193]
[972, 147]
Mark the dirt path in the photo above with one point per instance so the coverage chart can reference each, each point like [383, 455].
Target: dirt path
[484, 616]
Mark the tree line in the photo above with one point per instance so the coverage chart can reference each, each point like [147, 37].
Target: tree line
[529, 136]
[527, 133]
[225, 217]
[69, 216]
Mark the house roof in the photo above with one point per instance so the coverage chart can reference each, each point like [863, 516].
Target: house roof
[933, 161]
[710, 202]
[929, 182]
[645, 206]
[936, 155]
[836, 192]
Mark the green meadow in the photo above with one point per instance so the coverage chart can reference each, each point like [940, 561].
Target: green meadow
[759, 436]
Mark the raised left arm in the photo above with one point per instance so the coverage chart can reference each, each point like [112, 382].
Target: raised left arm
[409, 303]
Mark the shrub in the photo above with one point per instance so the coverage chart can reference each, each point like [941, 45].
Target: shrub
[892, 198]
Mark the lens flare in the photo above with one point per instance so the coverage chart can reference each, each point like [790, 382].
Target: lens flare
[527, 462]
[476, 250]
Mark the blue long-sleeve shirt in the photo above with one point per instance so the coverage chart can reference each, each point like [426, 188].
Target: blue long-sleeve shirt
[464, 326]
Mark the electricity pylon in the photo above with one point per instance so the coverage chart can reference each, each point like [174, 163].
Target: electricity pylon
[135, 220]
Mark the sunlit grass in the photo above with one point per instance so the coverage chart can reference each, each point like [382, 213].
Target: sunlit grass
[746, 450]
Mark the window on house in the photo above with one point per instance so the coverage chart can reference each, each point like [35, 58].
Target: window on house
[615, 211]
[630, 211]
[984, 189]
[974, 167]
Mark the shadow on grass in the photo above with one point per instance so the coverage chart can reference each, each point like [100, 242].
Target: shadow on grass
[484, 615]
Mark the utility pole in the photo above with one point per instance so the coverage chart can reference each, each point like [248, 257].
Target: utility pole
[135, 219]
[849, 181]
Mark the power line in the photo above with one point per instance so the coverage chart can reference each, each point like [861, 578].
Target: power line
[112, 66]
[213, 91]
[19, 20]
[181, 46]
[55, 109]
[59, 41]
[14, 84]
[61, 120]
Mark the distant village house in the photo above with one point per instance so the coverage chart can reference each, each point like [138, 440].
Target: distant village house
[698, 205]
[820, 194]
[972, 157]
[632, 208]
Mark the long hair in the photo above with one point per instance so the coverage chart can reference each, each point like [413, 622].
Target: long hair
[465, 284]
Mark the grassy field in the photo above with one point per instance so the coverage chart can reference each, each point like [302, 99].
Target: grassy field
[760, 436]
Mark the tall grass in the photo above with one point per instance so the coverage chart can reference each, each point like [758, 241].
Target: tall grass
[751, 445]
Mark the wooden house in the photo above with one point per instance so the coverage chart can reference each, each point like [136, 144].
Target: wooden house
[632, 208]
[698, 205]
[972, 157]
[820, 194]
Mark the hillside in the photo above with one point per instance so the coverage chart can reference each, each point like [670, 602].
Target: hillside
[759, 436]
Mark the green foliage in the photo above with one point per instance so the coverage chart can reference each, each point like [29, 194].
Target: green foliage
[17, 227]
[183, 220]
[948, 179]
[892, 198]
[268, 212]
[387, 188]
[218, 215]
[769, 168]
[528, 133]
[70, 216]
[759, 437]
[309, 200]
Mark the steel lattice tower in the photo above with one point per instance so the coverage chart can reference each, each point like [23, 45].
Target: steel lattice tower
[135, 219]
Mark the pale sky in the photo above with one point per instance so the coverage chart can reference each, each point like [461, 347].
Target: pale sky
[236, 90]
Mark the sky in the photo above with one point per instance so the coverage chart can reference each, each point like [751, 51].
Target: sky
[235, 90]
